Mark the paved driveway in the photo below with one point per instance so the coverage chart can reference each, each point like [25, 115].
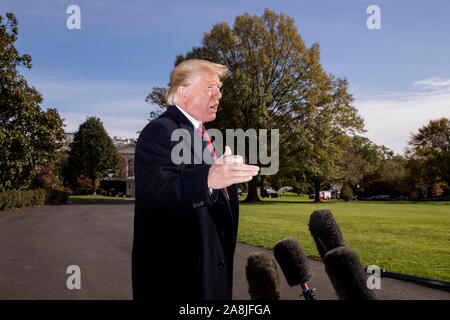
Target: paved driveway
[38, 245]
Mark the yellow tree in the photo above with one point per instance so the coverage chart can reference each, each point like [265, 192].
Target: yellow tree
[275, 82]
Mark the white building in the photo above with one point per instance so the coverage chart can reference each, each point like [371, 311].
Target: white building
[126, 152]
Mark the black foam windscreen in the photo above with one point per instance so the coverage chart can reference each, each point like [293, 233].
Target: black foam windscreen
[347, 275]
[262, 277]
[293, 261]
[325, 231]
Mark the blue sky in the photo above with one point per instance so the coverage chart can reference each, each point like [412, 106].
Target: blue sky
[399, 75]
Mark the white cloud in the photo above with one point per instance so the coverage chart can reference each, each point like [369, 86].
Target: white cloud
[431, 83]
[392, 117]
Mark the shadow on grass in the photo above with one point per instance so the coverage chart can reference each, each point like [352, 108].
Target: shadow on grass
[299, 201]
[101, 202]
[275, 202]
[242, 201]
[285, 199]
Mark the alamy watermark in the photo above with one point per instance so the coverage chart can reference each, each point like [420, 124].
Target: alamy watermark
[374, 20]
[74, 20]
[74, 280]
[374, 280]
[258, 150]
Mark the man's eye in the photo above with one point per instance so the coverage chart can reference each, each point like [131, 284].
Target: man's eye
[213, 88]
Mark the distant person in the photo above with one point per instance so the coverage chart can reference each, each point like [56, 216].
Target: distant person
[186, 215]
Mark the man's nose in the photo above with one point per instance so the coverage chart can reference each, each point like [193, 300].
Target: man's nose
[219, 93]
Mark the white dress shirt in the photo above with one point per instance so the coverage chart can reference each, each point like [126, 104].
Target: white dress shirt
[196, 125]
[194, 122]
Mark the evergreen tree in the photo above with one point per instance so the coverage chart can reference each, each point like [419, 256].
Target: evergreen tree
[29, 137]
[92, 152]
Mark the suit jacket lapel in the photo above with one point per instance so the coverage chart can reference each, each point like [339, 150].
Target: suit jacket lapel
[173, 113]
[194, 136]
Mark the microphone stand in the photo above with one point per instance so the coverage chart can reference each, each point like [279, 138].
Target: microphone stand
[307, 293]
[441, 284]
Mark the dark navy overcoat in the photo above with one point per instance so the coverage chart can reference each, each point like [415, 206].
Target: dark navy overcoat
[184, 235]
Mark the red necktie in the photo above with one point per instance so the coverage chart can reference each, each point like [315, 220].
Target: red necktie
[202, 131]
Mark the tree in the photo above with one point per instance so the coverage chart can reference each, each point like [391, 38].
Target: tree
[275, 81]
[347, 193]
[92, 152]
[395, 177]
[158, 98]
[371, 153]
[352, 167]
[429, 155]
[362, 163]
[29, 137]
[318, 151]
[389, 176]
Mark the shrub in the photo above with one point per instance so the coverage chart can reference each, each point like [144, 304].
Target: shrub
[27, 198]
[101, 192]
[347, 193]
[58, 196]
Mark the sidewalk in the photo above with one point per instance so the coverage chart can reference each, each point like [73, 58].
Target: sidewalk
[391, 289]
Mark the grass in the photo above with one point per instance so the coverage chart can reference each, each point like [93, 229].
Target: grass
[405, 237]
[95, 198]
[399, 236]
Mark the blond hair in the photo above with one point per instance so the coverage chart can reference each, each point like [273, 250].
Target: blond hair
[183, 74]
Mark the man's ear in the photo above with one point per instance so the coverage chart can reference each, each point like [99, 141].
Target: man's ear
[182, 93]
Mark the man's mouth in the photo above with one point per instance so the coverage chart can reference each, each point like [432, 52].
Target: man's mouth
[214, 107]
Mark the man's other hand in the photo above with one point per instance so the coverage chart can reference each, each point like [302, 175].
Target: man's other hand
[230, 169]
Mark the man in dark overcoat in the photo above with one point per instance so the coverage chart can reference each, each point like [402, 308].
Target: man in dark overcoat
[186, 209]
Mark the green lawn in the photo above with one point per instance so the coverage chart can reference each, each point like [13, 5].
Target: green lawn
[405, 237]
[96, 198]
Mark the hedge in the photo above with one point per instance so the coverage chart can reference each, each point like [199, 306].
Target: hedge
[26, 198]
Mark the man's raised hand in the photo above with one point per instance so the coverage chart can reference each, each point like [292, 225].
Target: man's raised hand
[230, 169]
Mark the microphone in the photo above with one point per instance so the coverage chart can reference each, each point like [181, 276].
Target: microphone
[262, 277]
[294, 265]
[325, 231]
[347, 275]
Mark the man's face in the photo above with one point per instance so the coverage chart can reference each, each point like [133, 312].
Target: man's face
[202, 97]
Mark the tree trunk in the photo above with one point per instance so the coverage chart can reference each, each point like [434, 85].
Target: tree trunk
[252, 195]
[93, 180]
[317, 190]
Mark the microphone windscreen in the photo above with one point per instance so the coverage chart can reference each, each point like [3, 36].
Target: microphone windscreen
[262, 277]
[325, 231]
[293, 261]
[347, 275]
